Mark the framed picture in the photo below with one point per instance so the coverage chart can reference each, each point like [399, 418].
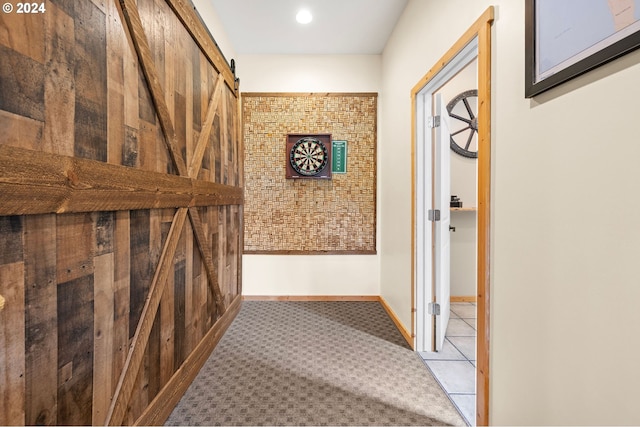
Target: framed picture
[566, 38]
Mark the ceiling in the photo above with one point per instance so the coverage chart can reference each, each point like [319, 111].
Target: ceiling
[338, 26]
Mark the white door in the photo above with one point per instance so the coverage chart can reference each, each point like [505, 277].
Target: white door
[441, 202]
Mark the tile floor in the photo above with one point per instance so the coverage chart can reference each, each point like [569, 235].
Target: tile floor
[455, 366]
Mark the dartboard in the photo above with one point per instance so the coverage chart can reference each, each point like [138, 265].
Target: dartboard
[308, 156]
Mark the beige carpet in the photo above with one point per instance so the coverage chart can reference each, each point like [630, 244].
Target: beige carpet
[314, 363]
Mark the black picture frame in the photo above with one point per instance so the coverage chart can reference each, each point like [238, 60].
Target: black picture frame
[602, 56]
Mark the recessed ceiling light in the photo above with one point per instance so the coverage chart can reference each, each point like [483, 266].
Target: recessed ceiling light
[304, 16]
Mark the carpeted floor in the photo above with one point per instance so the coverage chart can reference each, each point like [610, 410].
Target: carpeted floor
[314, 363]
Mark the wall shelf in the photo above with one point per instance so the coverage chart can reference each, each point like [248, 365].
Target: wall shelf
[464, 209]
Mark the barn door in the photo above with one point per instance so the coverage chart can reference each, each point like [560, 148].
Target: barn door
[121, 221]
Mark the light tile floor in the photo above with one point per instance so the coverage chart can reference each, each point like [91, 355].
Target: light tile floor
[455, 366]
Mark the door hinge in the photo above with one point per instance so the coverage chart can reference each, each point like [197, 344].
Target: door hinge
[433, 215]
[433, 308]
[433, 122]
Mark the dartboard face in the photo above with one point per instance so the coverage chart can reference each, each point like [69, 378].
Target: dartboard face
[308, 156]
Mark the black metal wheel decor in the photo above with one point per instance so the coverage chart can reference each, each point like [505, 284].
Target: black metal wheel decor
[308, 156]
[464, 124]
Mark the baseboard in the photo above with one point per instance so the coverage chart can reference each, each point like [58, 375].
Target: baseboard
[464, 299]
[310, 297]
[160, 408]
[406, 334]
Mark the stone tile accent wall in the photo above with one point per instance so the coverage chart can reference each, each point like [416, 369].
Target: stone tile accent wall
[309, 215]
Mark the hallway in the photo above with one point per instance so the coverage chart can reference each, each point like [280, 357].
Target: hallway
[314, 363]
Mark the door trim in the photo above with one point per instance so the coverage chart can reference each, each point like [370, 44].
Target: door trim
[482, 30]
[425, 196]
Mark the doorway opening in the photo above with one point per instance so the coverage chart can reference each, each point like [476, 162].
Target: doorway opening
[446, 243]
[429, 276]
[432, 198]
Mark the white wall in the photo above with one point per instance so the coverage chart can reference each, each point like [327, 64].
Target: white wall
[213, 23]
[309, 73]
[329, 274]
[565, 239]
